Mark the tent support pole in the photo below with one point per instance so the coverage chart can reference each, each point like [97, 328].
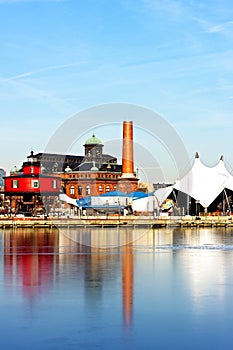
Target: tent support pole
[227, 200]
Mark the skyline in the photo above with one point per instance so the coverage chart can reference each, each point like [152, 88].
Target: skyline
[62, 57]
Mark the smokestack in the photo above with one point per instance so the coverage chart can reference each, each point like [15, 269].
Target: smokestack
[127, 182]
[127, 151]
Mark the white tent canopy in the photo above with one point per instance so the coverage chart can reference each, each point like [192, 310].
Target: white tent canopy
[144, 204]
[152, 202]
[63, 197]
[161, 195]
[203, 183]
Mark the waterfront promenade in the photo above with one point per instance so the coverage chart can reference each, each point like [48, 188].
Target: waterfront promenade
[126, 221]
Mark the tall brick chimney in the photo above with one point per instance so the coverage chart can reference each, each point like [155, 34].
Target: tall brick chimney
[127, 182]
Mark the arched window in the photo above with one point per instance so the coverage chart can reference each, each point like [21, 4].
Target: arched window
[100, 188]
[107, 188]
[80, 190]
[72, 190]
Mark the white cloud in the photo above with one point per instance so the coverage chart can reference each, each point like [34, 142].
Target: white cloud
[220, 27]
[209, 27]
[173, 9]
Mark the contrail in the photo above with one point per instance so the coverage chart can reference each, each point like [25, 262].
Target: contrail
[36, 71]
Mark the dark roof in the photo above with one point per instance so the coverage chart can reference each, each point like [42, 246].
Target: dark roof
[76, 162]
[57, 155]
[86, 166]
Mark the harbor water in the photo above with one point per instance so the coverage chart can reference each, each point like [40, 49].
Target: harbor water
[116, 288]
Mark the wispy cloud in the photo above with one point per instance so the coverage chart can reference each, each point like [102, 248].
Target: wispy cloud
[25, 90]
[208, 27]
[173, 9]
[221, 27]
[37, 71]
[28, 92]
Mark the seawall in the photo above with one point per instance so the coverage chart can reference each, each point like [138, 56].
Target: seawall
[126, 221]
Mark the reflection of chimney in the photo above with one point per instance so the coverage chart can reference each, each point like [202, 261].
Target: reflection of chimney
[128, 181]
[127, 283]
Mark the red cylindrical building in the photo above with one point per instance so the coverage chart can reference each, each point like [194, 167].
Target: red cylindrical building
[26, 187]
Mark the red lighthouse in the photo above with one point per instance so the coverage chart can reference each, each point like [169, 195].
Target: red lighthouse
[30, 187]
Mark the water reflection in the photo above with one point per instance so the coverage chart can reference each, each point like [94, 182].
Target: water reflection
[35, 259]
[158, 280]
[29, 258]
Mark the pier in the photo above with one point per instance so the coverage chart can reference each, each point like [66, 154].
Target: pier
[117, 221]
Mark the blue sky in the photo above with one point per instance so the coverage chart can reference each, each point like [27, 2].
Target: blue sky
[60, 57]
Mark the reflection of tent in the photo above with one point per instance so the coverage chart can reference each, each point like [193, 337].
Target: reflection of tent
[204, 184]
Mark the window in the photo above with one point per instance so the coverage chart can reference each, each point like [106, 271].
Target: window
[31, 169]
[54, 183]
[88, 190]
[80, 190]
[15, 184]
[107, 188]
[71, 189]
[35, 184]
[100, 188]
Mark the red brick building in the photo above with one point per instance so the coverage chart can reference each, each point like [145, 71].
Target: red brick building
[98, 173]
[44, 175]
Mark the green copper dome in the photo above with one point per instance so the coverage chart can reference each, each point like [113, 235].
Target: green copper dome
[93, 141]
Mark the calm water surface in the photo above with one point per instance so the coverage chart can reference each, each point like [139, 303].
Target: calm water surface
[161, 289]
